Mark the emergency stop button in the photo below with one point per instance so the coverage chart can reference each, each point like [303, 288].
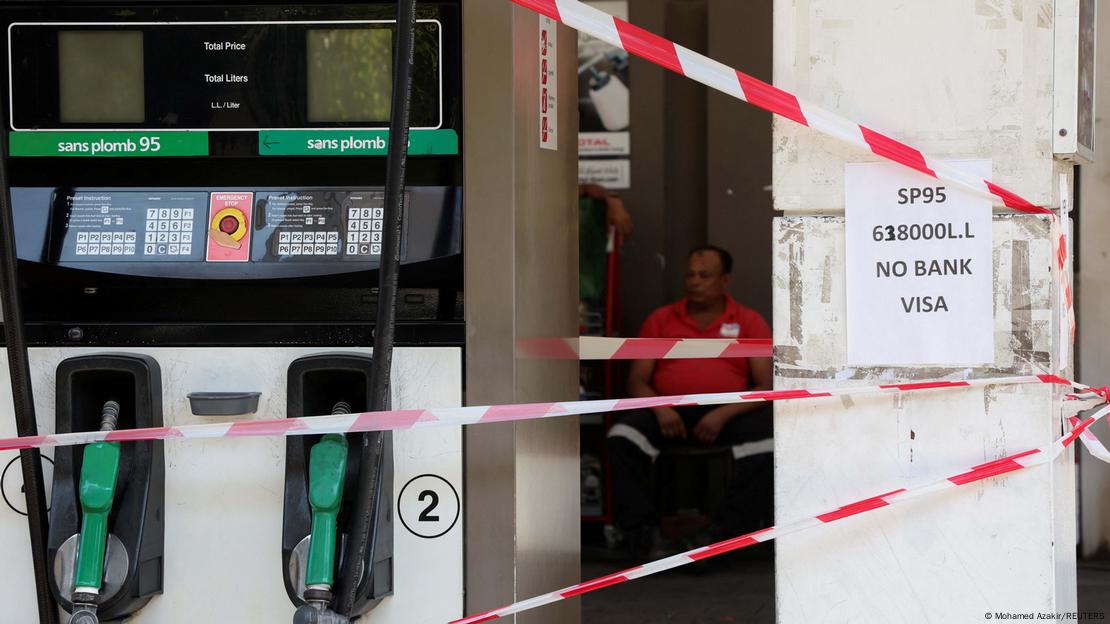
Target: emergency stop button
[229, 226]
[230, 221]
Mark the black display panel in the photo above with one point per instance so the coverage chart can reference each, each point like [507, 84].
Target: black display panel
[319, 225]
[188, 300]
[229, 233]
[129, 226]
[233, 75]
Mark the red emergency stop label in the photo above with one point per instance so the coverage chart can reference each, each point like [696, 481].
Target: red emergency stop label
[229, 227]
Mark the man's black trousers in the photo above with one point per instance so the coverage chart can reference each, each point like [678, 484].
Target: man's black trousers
[636, 440]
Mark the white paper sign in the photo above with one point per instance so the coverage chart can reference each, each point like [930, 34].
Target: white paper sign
[919, 269]
[612, 174]
[549, 84]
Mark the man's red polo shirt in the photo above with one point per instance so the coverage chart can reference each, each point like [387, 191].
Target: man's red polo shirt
[695, 376]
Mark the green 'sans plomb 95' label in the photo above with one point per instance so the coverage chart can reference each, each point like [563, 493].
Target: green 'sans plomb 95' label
[108, 144]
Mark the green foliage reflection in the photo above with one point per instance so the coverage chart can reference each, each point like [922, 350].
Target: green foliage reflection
[350, 74]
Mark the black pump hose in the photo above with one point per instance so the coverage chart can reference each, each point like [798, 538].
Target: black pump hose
[19, 369]
[370, 475]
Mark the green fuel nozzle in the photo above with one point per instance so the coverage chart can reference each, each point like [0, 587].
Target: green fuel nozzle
[327, 470]
[97, 490]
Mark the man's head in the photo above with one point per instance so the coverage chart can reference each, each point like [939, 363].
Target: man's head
[708, 269]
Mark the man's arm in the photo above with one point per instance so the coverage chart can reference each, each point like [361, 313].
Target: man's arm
[615, 212]
[710, 425]
[639, 385]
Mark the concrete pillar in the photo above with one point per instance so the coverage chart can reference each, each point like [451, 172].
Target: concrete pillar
[521, 270]
[957, 79]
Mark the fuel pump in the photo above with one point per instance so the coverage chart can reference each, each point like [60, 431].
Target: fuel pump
[214, 221]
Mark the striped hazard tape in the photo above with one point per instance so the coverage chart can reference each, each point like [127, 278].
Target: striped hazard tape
[1001, 466]
[686, 62]
[1093, 445]
[610, 348]
[396, 420]
[705, 70]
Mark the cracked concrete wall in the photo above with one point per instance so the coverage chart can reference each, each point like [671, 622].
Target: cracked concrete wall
[810, 306]
[959, 79]
[954, 78]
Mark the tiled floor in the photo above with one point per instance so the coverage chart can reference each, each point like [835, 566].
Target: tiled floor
[1094, 588]
[741, 592]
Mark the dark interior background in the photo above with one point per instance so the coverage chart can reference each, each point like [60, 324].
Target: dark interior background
[701, 160]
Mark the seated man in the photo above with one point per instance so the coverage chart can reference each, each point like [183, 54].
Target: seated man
[634, 442]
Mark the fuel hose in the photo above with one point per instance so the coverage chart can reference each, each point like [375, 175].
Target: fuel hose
[368, 501]
[19, 370]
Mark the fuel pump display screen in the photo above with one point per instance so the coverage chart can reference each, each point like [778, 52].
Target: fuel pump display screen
[340, 58]
[232, 76]
[87, 61]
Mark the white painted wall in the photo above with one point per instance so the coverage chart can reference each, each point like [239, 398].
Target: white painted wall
[958, 79]
[891, 564]
[955, 78]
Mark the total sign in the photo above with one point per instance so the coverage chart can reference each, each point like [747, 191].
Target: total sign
[919, 268]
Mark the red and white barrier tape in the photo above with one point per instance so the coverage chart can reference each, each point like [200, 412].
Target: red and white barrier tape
[395, 420]
[609, 348]
[1004, 465]
[725, 79]
[705, 70]
[1093, 445]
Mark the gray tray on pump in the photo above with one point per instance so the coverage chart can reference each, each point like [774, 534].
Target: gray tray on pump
[223, 403]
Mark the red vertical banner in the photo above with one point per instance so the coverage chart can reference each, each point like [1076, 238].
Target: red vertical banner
[549, 84]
